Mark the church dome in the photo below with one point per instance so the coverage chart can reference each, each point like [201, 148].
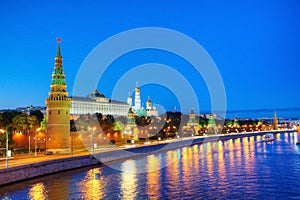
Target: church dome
[130, 111]
[141, 112]
[95, 94]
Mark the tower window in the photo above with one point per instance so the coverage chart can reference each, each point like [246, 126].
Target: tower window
[66, 112]
[58, 112]
[49, 112]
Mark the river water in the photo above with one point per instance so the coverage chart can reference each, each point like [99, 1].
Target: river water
[244, 168]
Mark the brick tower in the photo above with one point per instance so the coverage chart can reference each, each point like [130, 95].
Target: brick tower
[58, 110]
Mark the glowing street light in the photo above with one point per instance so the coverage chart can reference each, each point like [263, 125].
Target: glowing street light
[92, 139]
[4, 131]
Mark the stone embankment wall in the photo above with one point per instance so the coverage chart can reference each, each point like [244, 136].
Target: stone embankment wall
[19, 173]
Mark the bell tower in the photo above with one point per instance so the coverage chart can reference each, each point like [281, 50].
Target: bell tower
[137, 98]
[58, 110]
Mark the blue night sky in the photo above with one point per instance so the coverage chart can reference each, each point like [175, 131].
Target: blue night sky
[254, 44]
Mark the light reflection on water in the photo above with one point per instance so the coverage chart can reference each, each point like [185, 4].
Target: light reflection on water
[153, 177]
[129, 180]
[230, 169]
[91, 186]
[38, 192]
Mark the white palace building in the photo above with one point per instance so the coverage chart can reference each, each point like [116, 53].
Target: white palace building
[96, 102]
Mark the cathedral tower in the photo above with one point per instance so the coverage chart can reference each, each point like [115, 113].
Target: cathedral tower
[58, 110]
[129, 100]
[149, 104]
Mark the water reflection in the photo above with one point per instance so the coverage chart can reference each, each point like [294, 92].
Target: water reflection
[153, 177]
[187, 168]
[222, 180]
[91, 186]
[38, 192]
[129, 180]
[173, 173]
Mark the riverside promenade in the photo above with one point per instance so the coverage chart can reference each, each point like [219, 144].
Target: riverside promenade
[25, 168]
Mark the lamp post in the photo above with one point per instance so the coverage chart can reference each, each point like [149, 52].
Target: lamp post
[92, 139]
[93, 148]
[29, 144]
[4, 131]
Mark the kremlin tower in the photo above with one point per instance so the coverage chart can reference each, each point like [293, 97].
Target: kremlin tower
[211, 124]
[275, 122]
[192, 122]
[58, 110]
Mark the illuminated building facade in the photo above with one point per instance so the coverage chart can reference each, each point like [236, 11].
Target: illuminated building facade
[96, 102]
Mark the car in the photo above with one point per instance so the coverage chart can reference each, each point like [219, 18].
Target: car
[49, 153]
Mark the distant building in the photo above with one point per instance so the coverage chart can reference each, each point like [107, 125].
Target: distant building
[137, 107]
[31, 108]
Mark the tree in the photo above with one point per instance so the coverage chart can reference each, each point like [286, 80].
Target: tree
[119, 126]
[20, 122]
[7, 117]
[39, 115]
[33, 123]
[108, 123]
[1, 121]
[228, 122]
[43, 123]
[142, 121]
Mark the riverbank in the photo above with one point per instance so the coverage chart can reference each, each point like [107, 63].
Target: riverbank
[19, 173]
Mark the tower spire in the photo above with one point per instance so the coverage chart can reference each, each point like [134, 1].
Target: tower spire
[58, 54]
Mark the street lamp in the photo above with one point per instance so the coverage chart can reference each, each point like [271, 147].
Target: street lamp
[92, 139]
[29, 144]
[4, 131]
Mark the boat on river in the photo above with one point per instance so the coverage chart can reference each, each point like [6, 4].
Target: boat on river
[269, 137]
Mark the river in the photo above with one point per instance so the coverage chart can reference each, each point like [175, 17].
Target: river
[244, 168]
